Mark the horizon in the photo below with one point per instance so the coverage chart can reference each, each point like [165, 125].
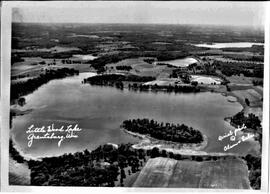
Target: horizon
[251, 14]
[258, 28]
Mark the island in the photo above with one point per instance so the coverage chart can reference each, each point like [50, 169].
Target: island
[168, 132]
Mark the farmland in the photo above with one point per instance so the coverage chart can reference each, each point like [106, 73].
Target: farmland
[163, 172]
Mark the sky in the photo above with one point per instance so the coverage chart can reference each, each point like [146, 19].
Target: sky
[159, 12]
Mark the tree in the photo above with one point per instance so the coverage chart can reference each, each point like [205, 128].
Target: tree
[247, 101]
[122, 173]
[252, 121]
[21, 101]
[238, 119]
[164, 153]
[194, 83]
[228, 88]
[154, 152]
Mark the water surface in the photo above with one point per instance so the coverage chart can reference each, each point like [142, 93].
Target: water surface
[99, 111]
[180, 62]
[229, 45]
[85, 57]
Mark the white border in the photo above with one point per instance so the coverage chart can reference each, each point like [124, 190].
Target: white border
[265, 120]
[5, 88]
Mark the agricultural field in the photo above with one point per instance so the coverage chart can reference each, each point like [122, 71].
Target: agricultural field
[252, 95]
[163, 172]
[31, 67]
[241, 79]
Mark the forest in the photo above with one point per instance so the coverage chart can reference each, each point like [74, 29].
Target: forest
[251, 121]
[254, 167]
[123, 67]
[237, 68]
[100, 167]
[164, 131]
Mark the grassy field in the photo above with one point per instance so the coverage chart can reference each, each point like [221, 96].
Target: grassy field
[140, 67]
[252, 95]
[163, 172]
[31, 67]
[241, 79]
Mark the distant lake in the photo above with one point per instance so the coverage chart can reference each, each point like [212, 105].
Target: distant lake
[83, 36]
[99, 111]
[180, 62]
[229, 45]
[85, 57]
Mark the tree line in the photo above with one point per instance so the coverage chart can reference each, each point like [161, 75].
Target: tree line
[99, 79]
[116, 80]
[123, 67]
[167, 88]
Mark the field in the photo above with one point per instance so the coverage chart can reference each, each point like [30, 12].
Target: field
[235, 79]
[33, 66]
[252, 95]
[164, 172]
[139, 67]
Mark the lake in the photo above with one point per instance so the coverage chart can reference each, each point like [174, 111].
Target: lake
[180, 62]
[99, 111]
[229, 45]
[85, 57]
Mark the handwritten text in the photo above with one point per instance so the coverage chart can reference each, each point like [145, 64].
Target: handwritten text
[52, 133]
